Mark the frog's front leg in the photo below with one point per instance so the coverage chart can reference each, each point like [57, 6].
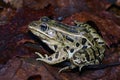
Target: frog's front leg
[54, 58]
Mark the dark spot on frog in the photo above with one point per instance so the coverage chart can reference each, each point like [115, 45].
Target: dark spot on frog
[100, 42]
[95, 39]
[69, 39]
[83, 41]
[86, 31]
[89, 44]
[64, 49]
[92, 59]
[55, 46]
[95, 32]
[63, 58]
[84, 47]
[87, 56]
[57, 54]
[77, 44]
[67, 47]
[71, 50]
[50, 58]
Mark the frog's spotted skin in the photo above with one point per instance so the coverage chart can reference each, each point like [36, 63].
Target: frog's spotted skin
[81, 44]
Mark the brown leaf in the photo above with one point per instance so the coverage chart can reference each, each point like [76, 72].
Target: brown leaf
[96, 5]
[118, 2]
[37, 4]
[68, 7]
[34, 4]
[15, 3]
[6, 15]
[17, 69]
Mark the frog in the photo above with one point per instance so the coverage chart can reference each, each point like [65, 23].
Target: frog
[79, 44]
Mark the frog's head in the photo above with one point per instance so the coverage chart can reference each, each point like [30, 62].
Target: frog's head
[44, 29]
[50, 30]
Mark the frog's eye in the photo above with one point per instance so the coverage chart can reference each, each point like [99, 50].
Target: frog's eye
[43, 27]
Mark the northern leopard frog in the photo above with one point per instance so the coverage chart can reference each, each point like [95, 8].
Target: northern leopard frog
[80, 45]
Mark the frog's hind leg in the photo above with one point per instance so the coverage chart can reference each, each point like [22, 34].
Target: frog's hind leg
[52, 59]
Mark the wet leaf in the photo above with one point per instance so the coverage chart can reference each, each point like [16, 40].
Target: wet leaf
[18, 69]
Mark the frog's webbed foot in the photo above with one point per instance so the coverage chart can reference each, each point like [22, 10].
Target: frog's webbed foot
[67, 68]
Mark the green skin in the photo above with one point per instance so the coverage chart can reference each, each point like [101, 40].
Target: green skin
[81, 44]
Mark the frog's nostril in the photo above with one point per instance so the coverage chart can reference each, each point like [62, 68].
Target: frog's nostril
[33, 24]
[43, 27]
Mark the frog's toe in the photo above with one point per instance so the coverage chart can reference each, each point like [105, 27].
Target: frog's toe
[63, 69]
[46, 56]
[38, 59]
[40, 55]
[80, 67]
[43, 60]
